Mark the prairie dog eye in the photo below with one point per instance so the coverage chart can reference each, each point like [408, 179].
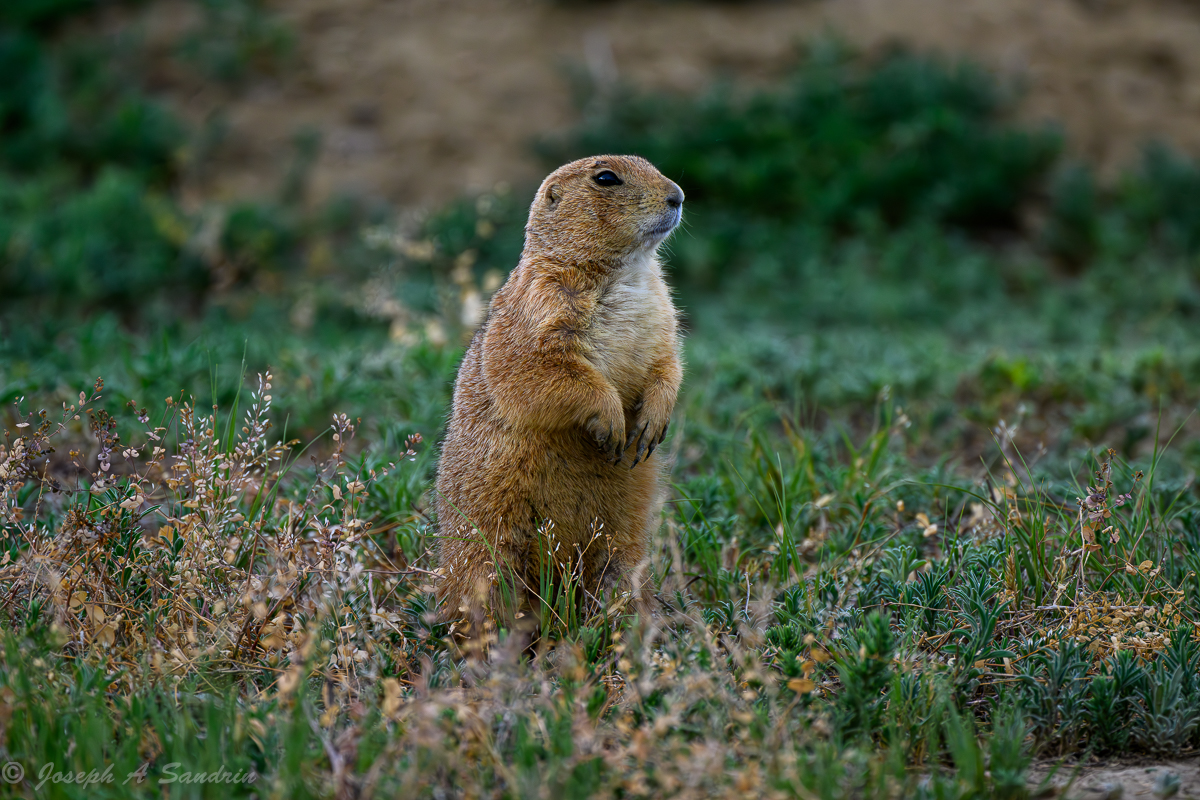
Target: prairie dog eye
[607, 178]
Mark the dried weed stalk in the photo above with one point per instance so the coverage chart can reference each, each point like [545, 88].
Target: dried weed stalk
[189, 547]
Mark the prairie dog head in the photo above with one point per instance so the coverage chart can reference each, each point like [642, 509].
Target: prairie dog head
[603, 208]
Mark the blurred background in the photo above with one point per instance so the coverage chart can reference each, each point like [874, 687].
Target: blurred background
[984, 216]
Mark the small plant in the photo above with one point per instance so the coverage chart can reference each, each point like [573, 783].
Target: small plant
[972, 643]
[1110, 709]
[1054, 696]
[864, 674]
[1168, 717]
[1008, 752]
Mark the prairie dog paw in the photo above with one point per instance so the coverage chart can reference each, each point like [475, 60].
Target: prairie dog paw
[649, 429]
[608, 429]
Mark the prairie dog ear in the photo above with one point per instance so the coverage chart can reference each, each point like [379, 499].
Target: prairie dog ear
[554, 194]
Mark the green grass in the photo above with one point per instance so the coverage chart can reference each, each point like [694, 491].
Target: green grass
[932, 515]
[777, 559]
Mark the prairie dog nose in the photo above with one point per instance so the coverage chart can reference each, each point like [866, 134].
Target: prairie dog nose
[675, 198]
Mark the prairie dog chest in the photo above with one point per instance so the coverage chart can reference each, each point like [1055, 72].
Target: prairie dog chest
[634, 318]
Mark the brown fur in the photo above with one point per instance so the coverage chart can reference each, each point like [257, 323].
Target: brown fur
[563, 395]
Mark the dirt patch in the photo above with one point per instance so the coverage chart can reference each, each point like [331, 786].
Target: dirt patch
[420, 101]
[1112, 781]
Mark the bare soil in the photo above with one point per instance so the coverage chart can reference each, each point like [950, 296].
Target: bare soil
[419, 101]
[1116, 780]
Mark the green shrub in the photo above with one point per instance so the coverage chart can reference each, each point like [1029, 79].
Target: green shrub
[85, 158]
[258, 235]
[1154, 205]
[843, 143]
[40, 13]
[235, 39]
[1073, 230]
[67, 108]
[1162, 199]
[111, 245]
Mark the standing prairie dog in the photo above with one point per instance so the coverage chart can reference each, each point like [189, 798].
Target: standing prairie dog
[561, 399]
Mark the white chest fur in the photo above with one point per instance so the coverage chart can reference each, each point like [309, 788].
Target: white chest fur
[633, 317]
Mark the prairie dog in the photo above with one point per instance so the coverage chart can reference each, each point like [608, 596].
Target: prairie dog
[562, 397]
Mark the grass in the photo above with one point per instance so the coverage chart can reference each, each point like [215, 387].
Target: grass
[819, 594]
[933, 511]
